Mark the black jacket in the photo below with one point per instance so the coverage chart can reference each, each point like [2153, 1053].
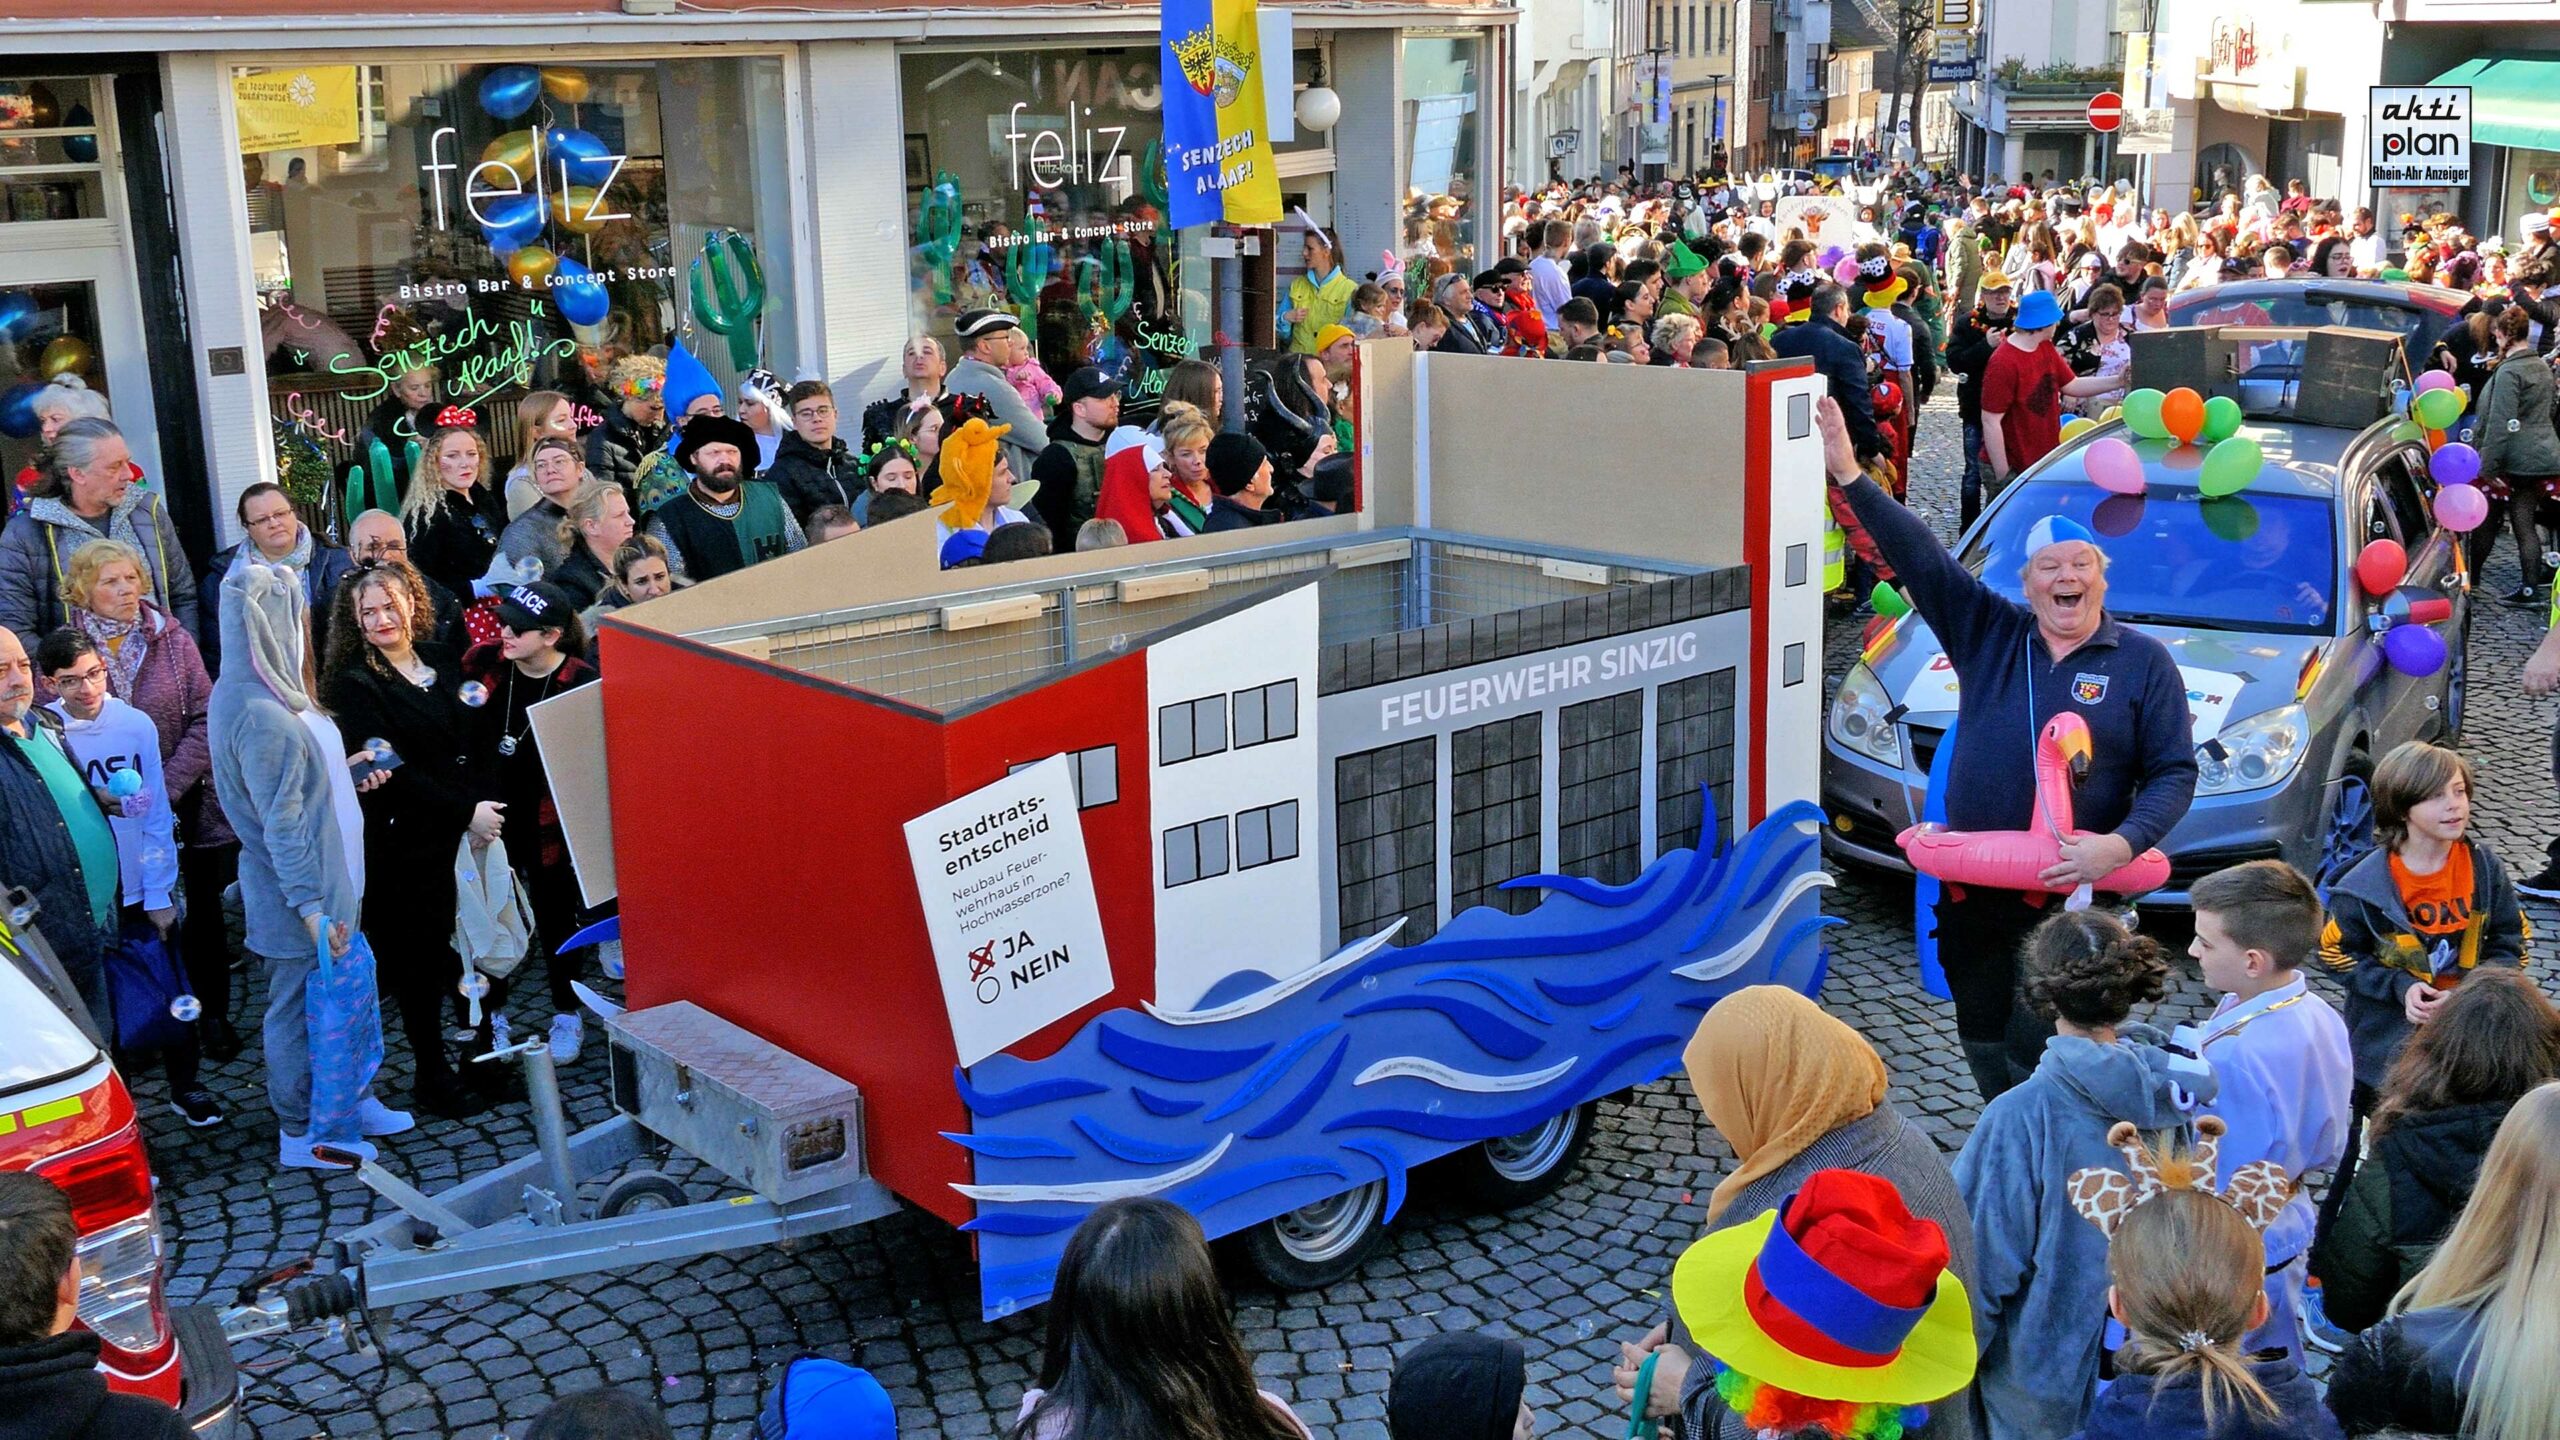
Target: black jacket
[1844, 365]
[1969, 349]
[809, 477]
[413, 822]
[616, 448]
[454, 544]
[1460, 338]
[2409, 1372]
[2403, 1198]
[1226, 514]
[2369, 938]
[52, 1390]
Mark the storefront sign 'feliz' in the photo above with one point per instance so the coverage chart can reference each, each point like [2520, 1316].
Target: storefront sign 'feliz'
[584, 206]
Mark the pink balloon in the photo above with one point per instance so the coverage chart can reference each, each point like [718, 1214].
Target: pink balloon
[1846, 272]
[2461, 508]
[2113, 466]
[2435, 380]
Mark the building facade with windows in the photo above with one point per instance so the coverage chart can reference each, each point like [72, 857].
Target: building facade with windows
[245, 221]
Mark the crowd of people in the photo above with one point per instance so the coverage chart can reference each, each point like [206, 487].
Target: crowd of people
[2142, 1234]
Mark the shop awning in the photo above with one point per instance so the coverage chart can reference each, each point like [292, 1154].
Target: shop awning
[2515, 99]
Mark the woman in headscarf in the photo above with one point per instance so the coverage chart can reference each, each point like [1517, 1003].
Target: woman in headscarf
[1137, 487]
[1794, 1090]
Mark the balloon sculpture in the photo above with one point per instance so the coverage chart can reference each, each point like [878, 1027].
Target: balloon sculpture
[730, 307]
[371, 482]
[2017, 859]
[2403, 616]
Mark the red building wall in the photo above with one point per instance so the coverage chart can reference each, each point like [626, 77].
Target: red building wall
[764, 876]
[760, 849]
[1104, 705]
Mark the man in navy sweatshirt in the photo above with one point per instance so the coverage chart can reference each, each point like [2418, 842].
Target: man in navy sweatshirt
[2017, 666]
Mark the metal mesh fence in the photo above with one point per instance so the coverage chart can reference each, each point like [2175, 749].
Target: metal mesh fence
[1370, 587]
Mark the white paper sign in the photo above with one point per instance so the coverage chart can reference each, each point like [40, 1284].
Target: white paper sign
[2210, 694]
[2420, 134]
[1008, 901]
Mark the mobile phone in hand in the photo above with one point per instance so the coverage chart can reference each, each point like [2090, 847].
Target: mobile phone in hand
[379, 758]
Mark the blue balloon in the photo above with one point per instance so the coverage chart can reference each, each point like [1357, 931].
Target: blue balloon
[511, 222]
[590, 161]
[510, 90]
[579, 294]
[82, 149]
[18, 410]
[17, 307]
[124, 783]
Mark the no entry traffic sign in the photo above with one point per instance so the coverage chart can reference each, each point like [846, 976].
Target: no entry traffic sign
[2106, 111]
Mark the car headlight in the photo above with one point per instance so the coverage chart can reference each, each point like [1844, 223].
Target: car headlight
[2254, 753]
[1858, 720]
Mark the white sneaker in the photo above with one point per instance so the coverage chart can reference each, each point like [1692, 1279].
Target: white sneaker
[609, 959]
[568, 1035]
[376, 1119]
[294, 1153]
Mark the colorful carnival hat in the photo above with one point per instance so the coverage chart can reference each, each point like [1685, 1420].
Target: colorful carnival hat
[1836, 1310]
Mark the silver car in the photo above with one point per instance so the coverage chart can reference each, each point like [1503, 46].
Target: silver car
[2256, 598]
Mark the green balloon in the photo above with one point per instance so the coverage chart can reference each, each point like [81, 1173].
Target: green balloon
[2229, 467]
[2221, 419]
[2142, 414]
[1888, 602]
[2408, 430]
[2438, 409]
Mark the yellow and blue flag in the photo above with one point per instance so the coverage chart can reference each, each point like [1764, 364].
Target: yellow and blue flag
[1217, 145]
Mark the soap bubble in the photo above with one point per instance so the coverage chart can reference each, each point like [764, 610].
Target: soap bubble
[474, 694]
[185, 1009]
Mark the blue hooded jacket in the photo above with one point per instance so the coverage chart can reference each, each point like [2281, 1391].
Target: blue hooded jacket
[2040, 1270]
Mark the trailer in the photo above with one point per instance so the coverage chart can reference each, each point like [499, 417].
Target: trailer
[1250, 871]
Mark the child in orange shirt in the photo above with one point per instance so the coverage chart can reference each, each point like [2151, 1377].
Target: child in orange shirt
[2427, 906]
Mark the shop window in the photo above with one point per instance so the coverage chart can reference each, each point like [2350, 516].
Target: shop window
[1190, 729]
[1035, 184]
[1096, 773]
[1196, 851]
[1267, 835]
[1385, 837]
[1443, 127]
[513, 224]
[1496, 785]
[1266, 713]
[1693, 755]
[50, 166]
[1600, 788]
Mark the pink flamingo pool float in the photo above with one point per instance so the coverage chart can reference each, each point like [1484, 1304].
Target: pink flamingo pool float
[2013, 859]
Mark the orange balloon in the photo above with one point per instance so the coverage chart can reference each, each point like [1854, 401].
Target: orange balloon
[579, 209]
[2435, 441]
[2182, 414]
[531, 266]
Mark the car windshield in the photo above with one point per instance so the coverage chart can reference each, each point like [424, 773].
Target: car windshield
[2308, 305]
[2265, 563]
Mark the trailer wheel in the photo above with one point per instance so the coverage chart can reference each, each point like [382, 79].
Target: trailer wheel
[1512, 1170]
[1315, 1245]
[637, 1191]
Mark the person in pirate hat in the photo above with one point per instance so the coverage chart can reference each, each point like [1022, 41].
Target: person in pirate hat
[722, 521]
[1836, 1314]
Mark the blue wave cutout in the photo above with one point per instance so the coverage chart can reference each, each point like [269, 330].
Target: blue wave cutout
[1295, 1096]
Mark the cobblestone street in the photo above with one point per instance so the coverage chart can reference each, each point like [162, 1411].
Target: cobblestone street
[1570, 1276]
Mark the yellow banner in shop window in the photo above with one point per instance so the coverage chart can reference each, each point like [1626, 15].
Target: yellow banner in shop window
[296, 109]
